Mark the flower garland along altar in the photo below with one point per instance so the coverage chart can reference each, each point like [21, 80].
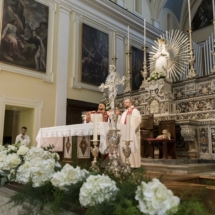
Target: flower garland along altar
[47, 184]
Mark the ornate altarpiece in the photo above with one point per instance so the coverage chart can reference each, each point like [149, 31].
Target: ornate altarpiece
[191, 103]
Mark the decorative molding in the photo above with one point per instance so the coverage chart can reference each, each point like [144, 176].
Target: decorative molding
[78, 21]
[37, 105]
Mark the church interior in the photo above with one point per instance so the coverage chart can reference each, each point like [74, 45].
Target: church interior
[67, 66]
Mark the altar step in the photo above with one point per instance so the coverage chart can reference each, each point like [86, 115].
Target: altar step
[178, 166]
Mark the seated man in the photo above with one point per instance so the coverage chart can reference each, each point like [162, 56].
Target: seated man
[101, 110]
[23, 138]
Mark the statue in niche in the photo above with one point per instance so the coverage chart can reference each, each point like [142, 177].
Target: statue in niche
[161, 57]
[165, 135]
[169, 57]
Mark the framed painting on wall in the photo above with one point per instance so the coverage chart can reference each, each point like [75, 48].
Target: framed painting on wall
[203, 16]
[94, 61]
[24, 34]
[137, 67]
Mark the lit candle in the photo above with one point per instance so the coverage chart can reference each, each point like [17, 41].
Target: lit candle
[114, 44]
[144, 32]
[189, 14]
[128, 39]
[95, 136]
[128, 122]
[213, 8]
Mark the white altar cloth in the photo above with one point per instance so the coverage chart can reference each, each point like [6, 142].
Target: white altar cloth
[86, 130]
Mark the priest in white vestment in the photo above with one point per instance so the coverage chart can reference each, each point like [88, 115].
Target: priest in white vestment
[135, 158]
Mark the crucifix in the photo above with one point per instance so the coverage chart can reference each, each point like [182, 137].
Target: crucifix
[111, 84]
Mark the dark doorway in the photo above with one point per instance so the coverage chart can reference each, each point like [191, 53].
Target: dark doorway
[75, 108]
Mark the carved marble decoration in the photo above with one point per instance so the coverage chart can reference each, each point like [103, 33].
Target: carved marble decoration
[213, 140]
[154, 107]
[194, 90]
[179, 93]
[204, 88]
[194, 106]
[203, 140]
[193, 100]
[188, 132]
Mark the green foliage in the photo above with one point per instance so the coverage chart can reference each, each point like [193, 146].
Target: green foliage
[195, 203]
[38, 198]
[48, 148]
[127, 207]
[124, 203]
[155, 76]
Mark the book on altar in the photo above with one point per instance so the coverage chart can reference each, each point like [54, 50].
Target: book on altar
[99, 117]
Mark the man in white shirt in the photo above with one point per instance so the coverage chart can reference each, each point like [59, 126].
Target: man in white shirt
[135, 159]
[23, 138]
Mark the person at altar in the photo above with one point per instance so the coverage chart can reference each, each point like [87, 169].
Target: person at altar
[135, 158]
[101, 110]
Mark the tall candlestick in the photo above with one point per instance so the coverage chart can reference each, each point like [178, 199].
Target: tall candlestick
[189, 14]
[128, 123]
[128, 39]
[95, 136]
[144, 32]
[213, 9]
[114, 44]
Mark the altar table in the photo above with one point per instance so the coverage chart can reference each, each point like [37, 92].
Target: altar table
[167, 149]
[57, 133]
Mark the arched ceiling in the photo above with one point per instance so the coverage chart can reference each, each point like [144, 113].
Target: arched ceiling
[175, 6]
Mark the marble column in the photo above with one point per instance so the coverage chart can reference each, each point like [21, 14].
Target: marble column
[189, 134]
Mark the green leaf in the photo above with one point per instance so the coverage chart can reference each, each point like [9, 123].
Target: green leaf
[3, 181]
[4, 173]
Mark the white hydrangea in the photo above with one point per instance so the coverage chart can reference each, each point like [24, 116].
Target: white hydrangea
[33, 153]
[11, 148]
[155, 199]
[40, 152]
[3, 155]
[96, 190]
[12, 161]
[1, 148]
[67, 176]
[41, 171]
[22, 150]
[23, 173]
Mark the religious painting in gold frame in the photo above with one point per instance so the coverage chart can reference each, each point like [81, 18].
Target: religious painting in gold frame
[24, 34]
[94, 60]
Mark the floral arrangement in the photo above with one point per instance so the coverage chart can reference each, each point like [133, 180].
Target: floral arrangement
[21, 164]
[155, 199]
[97, 189]
[155, 76]
[67, 176]
[47, 184]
